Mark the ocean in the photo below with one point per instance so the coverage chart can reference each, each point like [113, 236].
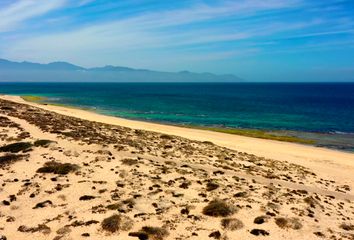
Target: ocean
[320, 111]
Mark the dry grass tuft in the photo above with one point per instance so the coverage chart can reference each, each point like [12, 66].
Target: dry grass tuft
[153, 233]
[58, 168]
[293, 223]
[10, 158]
[211, 186]
[347, 227]
[16, 147]
[129, 161]
[218, 208]
[231, 224]
[43, 143]
[116, 223]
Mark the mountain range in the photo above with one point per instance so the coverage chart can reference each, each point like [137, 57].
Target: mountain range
[68, 72]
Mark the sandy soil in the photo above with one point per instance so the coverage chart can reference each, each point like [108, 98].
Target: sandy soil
[162, 182]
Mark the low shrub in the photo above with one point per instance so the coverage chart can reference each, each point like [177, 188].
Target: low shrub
[116, 223]
[42, 143]
[211, 186]
[292, 223]
[153, 233]
[231, 224]
[129, 161]
[9, 158]
[218, 208]
[58, 168]
[16, 147]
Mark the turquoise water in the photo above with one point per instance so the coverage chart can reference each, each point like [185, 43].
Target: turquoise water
[293, 108]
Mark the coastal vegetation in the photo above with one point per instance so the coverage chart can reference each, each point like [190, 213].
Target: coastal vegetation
[57, 168]
[218, 208]
[255, 133]
[116, 223]
[147, 232]
[31, 98]
[16, 147]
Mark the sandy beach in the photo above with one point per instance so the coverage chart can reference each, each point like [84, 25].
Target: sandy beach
[126, 179]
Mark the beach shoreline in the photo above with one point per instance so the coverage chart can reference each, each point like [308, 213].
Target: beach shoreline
[306, 155]
[147, 174]
[237, 142]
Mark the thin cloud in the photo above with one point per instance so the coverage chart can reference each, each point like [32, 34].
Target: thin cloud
[20, 11]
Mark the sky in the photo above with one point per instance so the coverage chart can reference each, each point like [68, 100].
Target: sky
[257, 40]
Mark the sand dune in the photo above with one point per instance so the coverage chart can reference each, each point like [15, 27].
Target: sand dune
[74, 174]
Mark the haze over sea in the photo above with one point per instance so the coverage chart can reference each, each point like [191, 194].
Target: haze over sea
[321, 111]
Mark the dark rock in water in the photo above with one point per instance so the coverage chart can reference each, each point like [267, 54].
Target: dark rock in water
[216, 235]
[6, 203]
[258, 232]
[85, 234]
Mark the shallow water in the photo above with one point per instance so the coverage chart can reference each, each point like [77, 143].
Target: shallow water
[325, 110]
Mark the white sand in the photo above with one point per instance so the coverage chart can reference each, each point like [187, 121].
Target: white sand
[325, 162]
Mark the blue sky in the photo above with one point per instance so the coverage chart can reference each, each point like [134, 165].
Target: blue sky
[259, 40]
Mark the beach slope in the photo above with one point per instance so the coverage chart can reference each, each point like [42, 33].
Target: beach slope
[72, 174]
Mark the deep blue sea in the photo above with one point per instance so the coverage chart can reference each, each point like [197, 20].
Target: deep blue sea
[326, 108]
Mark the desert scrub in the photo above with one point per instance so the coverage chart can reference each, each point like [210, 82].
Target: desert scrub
[166, 137]
[212, 185]
[16, 147]
[292, 223]
[117, 223]
[347, 227]
[153, 233]
[129, 161]
[231, 224]
[58, 168]
[43, 143]
[218, 208]
[10, 158]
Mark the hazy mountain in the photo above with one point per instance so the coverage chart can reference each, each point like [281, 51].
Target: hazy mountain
[67, 72]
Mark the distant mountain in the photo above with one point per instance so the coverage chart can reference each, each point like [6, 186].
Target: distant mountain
[8, 65]
[67, 72]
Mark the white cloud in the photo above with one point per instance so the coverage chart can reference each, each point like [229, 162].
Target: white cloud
[15, 14]
[150, 31]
